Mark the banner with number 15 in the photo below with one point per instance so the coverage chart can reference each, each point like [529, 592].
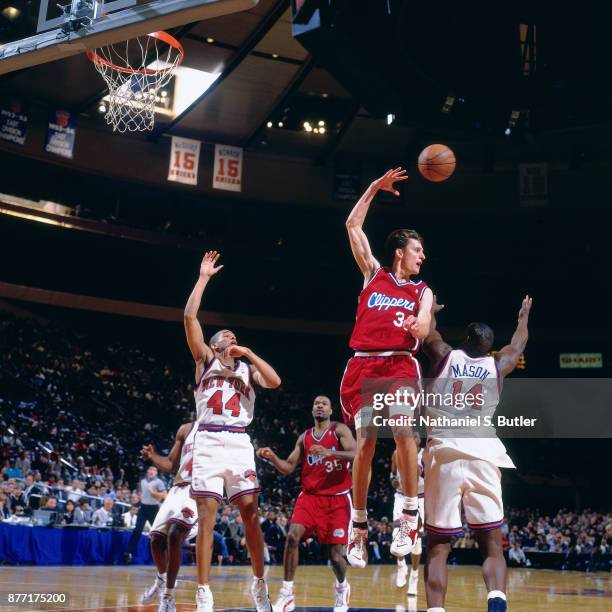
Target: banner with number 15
[228, 168]
[184, 160]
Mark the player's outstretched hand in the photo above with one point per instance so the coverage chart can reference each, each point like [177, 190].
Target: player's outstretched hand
[435, 307]
[411, 324]
[266, 453]
[147, 451]
[317, 449]
[207, 267]
[525, 307]
[386, 182]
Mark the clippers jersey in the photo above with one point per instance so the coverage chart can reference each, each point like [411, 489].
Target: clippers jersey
[383, 305]
[459, 377]
[186, 463]
[225, 395]
[324, 475]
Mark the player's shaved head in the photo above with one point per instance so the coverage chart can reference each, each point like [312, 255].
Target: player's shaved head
[479, 339]
[218, 337]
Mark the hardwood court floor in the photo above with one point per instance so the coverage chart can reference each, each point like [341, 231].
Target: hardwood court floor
[118, 589]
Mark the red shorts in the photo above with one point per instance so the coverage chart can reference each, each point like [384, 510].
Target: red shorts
[364, 376]
[327, 515]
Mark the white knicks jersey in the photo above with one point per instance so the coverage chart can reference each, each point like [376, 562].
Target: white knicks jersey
[186, 463]
[225, 395]
[461, 404]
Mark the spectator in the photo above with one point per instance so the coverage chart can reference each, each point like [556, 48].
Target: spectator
[4, 511]
[23, 463]
[275, 537]
[83, 513]
[517, 557]
[103, 517]
[17, 500]
[68, 516]
[130, 517]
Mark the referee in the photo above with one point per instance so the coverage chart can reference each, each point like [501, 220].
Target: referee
[152, 494]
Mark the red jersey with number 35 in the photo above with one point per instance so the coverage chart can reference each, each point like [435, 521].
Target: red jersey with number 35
[324, 475]
[384, 304]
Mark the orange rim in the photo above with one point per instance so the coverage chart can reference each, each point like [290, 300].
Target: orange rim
[95, 58]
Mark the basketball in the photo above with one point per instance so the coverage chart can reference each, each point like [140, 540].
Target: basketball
[437, 162]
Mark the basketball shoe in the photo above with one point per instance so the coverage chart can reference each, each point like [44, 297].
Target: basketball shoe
[285, 601]
[204, 599]
[413, 583]
[357, 550]
[406, 537]
[497, 604]
[166, 603]
[155, 590]
[402, 573]
[343, 595]
[259, 592]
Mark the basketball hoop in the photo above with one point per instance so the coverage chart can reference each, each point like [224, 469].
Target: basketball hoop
[135, 71]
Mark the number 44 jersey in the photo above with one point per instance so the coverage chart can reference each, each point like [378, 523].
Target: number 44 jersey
[225, 395]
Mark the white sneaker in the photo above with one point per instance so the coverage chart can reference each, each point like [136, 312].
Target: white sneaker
[204, 600]
[413, 583]
[259, 592]
[153, 591]
[405, 538]
[167, 604]
[412, 604]
[285, 601]
[357, 550]
[343, 596]
[402, 574]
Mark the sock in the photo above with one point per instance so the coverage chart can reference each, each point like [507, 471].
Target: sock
[288, 585]
[341, 585]
[435, 609]
[169, 592]
[359, 516]
[493, 594]
[401, 562]
[414, 572]
[257, 579]
[206, 587]
[411, 503]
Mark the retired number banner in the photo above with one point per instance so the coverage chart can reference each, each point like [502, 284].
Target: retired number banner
[228, 168]
[184, 161]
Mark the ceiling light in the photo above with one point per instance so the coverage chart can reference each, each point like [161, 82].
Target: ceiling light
[316, 130]
[308, 127]
[390, 118]
[102, 107]
[324, 95]
[281, 124]
[269, 124]
[210, 40]
[508, 132]
[11, 13]
[275, 55]
[321, 123]
[322, 130]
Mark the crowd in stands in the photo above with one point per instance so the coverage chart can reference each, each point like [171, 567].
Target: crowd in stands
[76, 409]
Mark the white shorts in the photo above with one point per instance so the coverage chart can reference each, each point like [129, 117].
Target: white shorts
[179, 508]
[223, 460]
[453, 481]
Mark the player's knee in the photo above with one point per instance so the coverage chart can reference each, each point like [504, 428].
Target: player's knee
[366, 446]
[158, 541]
[176, 535]
[293, 539]
[335, 554]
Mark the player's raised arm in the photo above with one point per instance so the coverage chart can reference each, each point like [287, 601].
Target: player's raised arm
[434, 346]
[202, 353]
[263, 373]
[170, 463]
[284, 466]
[508, 356]
[354, 224]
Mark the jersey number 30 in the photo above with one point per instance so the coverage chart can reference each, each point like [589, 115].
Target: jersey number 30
[216, 403]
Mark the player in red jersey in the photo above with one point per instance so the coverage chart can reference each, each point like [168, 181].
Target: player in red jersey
[324, 505]
[393, 316]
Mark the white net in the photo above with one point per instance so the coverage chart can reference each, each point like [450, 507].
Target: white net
[135, 71]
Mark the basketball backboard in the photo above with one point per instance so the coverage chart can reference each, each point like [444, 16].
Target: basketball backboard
[38, 31]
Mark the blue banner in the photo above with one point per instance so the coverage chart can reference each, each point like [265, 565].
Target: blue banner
[61, 134]
[14, 122]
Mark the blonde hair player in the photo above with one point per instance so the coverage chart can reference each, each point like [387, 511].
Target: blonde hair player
[462, 464]
[223, 456]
